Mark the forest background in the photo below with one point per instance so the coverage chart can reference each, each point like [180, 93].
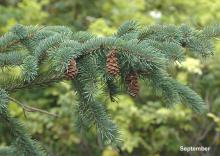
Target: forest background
[147, 126]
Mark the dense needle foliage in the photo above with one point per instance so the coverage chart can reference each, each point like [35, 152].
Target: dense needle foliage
[43, 55]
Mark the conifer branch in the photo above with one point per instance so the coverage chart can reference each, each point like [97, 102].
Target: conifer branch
[46, 55]
[41, 81]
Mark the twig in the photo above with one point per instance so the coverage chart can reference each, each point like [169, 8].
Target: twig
[217, 38]
[204, 134]
[31, 109]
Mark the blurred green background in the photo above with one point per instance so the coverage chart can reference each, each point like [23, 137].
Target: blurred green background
[147, 127]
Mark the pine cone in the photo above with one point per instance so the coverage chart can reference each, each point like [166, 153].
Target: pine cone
[132, 83]
[72, 70]
[112, 65]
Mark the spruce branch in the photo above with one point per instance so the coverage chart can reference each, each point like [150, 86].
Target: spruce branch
[11, 39]
[47, 55]
[42, 80]
[7, 151]
[22, 143]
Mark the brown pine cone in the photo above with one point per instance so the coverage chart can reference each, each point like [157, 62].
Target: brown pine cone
[71, 70]
[132, 84]
[112, 65]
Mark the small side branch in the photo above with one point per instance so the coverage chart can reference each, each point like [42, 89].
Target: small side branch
[31, 109]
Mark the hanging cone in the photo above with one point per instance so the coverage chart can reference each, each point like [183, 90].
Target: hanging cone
[72, 70]
[112, 65]
[132, 83]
